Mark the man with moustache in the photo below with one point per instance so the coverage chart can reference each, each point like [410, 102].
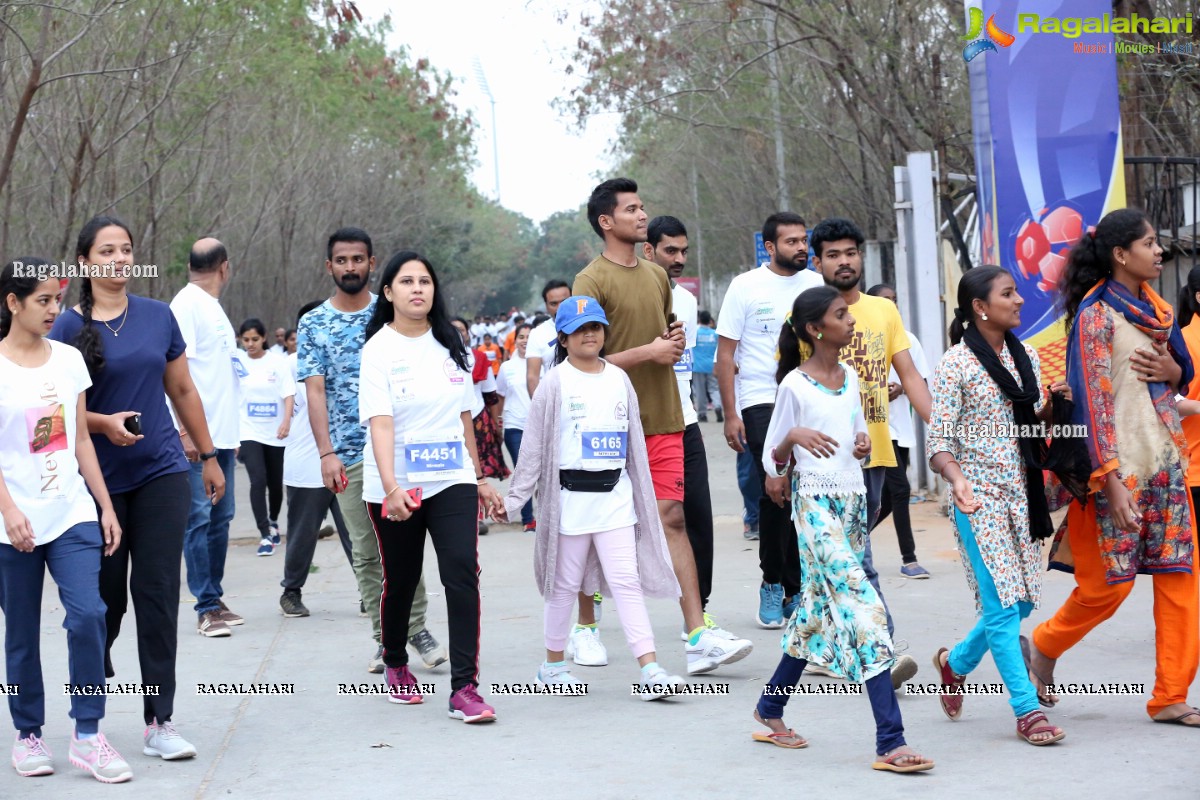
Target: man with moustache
[747, 336]
[329, 343]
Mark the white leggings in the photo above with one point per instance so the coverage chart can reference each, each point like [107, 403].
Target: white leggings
[618, 559]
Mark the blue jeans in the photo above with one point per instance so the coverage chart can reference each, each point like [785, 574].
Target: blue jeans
[874, 478]
[998, 630]
[750, 488]
[512, 440]
[74, 563]
[206, 539]
[889, 726]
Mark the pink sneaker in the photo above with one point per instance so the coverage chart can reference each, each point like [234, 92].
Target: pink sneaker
[467, 705]
[404, 687]
[98, 757]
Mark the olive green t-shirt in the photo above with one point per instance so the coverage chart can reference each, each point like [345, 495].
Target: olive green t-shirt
[637, 302]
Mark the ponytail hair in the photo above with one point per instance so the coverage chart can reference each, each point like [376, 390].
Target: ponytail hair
[795, 342]
[1091, 260]
[1187, 306]
[976, 284]
[88, 340]
[21, 285]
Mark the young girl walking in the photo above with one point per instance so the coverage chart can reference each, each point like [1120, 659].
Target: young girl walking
[817, 430]
[47, 467]
[584, 453]
[988, 379]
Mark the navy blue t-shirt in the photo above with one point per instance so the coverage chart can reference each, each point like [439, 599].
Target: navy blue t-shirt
[132, 380]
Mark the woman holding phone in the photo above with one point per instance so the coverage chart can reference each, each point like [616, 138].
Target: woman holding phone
[421, 474]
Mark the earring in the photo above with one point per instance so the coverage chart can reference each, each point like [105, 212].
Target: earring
[983, 317]
[820, 336]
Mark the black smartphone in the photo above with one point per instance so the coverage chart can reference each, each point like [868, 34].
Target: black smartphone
[134, 424]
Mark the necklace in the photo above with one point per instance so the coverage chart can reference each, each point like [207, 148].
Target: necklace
[14, 359]
[125, 318]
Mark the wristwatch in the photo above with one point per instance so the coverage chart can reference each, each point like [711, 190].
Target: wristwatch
[210, 454]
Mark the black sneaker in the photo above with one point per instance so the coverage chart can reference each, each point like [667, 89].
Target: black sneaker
[290, 602]
[428, 648]
[720, 416]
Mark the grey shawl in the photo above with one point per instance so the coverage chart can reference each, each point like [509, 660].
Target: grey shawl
[537, 470]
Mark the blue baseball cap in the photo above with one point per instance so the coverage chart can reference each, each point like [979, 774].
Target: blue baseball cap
[578, 311]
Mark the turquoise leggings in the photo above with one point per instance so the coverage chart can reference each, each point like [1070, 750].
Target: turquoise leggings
[998, 630]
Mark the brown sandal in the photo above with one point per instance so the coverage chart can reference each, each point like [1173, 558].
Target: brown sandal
[1035, 723]
[952, 682]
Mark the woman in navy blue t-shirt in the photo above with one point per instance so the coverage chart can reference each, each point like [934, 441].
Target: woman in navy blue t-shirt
[134, 352]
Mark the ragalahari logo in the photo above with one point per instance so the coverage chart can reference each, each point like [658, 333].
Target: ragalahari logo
[994, 35]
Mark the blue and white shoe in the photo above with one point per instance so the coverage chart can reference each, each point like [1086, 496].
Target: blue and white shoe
[274, 528]
[770, 606]
[789, 608]
[266, 547]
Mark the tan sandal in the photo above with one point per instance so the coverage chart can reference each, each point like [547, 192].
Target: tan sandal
[889, 762]
[777, 739]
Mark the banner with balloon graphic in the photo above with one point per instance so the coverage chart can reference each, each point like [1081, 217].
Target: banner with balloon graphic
[1048, 156]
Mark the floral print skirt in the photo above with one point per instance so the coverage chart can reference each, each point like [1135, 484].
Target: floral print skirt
[840, 622]
[487, 442]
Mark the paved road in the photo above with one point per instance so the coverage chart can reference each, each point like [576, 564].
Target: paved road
[316, 743]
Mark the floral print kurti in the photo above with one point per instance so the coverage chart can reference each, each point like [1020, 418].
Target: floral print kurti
[968, 411]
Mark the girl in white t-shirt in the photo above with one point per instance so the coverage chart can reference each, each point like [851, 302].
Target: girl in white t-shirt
[513, 409]
[268, 395]
[585, 455]
[421, 473]
[817, 432]
[47, 468]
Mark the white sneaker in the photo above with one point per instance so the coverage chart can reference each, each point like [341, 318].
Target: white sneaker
[658, 684]
[166, 743]
[585, 648]
[31, 757]
[561, 676]
[714, 650]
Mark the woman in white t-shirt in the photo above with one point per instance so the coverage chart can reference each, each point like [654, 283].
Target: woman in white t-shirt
[514, 408]
[47, 467]
[421, 473]
[585, 454]
[268, 395]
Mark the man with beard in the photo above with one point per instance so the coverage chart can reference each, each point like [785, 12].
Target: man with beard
[879, 345]
[329, 342]
[646, 341]
[747, 336]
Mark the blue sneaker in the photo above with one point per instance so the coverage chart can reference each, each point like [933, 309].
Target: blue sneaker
[914, 570]
[770, 606]
[265, 547]
[274, 528]
[789, 608]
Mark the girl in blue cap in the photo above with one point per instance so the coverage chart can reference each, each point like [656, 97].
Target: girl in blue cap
[598, 530]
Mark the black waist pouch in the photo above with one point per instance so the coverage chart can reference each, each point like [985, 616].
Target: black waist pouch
[586, 480]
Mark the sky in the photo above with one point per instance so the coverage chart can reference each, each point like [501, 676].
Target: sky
[546, 164]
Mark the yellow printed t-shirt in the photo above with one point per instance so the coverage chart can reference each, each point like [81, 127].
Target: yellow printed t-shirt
[637, 302]
[878, 336]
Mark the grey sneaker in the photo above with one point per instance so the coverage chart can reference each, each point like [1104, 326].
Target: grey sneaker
[914, 570]
[31, 757]
[903, 670]
[290, 602]
[375, 665]
[749, 533]
[98, 757]
[227, 615]
[166, 743]
[428, 648]
[211, 625]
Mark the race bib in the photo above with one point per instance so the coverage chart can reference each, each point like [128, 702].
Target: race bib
[683, 367]
[239, 368]
[262, 410]
[605, 449]
[433, 457]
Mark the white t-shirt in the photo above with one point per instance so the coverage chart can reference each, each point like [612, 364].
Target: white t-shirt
[211, 352]
[684, 304]
[595, 436]
[488, 384]
[477, 332]
[511, 384]
[417, 384]
[804, 403]
[301, 462]
[752, 314]
[265, 383]
[900, 421]
[277, 349]
[543, 341]
[38, 412]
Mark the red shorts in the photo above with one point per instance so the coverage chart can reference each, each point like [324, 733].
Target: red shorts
[666, 465]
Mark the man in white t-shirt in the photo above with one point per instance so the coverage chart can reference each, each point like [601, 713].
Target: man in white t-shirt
[211, 350]
[280, 346]
[543, 339]
[667, 245]
[752, 313]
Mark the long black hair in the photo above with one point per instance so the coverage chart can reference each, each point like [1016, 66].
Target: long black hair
[975, 284]
[253, 324]
[88, 340]
[21, 285]
[1187, 306]
[1091, 260]
[439, 319]
[810, 306]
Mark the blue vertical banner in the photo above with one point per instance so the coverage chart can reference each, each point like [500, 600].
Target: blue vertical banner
[1047, 134]
[760, 250]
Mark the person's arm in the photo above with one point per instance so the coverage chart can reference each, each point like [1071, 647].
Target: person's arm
[492, 502]
[913, 383]
[529, 466]
[735, 431]
[383, 437]
[664, 350]
[533, 373]
[89, 468]
[285, 427]
[177, 383]
[945, 421]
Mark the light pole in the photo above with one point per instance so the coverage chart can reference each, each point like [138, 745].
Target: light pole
[481, 79]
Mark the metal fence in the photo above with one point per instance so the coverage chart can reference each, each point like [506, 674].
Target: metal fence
[1167, 188]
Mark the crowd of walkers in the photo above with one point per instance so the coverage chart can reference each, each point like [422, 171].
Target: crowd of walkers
[122, 418]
